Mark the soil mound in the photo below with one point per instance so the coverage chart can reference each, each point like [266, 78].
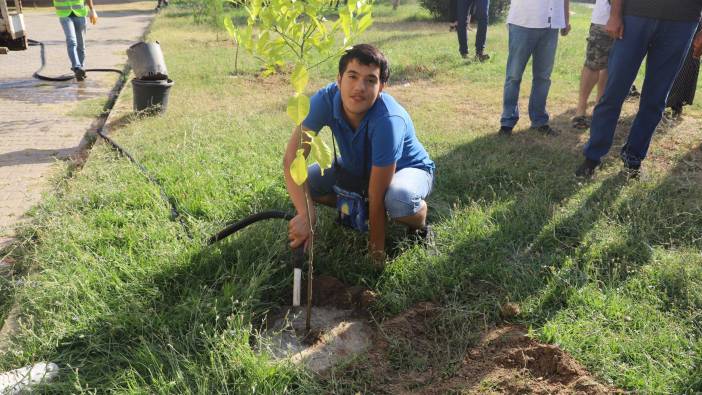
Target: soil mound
[504, 361]
[408, 353]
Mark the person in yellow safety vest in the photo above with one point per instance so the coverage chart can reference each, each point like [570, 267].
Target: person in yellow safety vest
[72, 14]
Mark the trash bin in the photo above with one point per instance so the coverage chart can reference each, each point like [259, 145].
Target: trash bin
[151, 96]
[146, 60]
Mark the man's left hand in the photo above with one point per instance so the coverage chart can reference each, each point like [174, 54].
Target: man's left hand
[697, 46]
[565, 30]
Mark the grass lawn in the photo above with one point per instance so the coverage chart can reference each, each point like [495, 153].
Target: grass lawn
[125, 300]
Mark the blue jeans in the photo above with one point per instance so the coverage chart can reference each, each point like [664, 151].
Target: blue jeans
[74, 29]
[408, 188]
[524, 43]
[481, 15]
[664, 44]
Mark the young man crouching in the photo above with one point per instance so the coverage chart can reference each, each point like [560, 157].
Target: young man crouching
[379, 152]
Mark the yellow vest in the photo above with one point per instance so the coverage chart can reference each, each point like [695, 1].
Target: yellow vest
[64, 8]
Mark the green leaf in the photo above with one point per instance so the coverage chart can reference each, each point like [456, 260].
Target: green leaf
[365, 23]
[298, 168]
[230, 27]
[299, 78]
[320, 26]
[320, 151]
[345, 22]
[298, 108]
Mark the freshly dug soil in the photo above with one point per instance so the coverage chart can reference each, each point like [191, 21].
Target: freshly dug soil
[504, 361]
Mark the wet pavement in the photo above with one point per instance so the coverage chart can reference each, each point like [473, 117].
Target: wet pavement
[40, 121]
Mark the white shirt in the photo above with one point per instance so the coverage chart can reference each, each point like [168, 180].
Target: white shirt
[600, 14]
[537, 14]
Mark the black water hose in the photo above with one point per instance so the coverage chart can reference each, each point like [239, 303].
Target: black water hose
[233, 227]
[66, 77]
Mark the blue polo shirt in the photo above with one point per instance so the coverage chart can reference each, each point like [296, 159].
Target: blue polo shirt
[386, 126]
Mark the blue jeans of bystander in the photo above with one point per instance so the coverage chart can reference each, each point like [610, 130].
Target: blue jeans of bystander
[524, 43]
[664, 44]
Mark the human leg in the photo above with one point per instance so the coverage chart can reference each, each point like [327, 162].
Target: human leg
[80, 29]
[461, 16]
[624, 62]
[71, 43]
[588, 80]
[542, 66]
[666, 53]
[481, 15]
[405, 197]
[599, 44]
[521, 44]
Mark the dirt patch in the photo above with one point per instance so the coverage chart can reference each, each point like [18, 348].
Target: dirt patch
[339, 328]
[409, 353]
[328, 291]
[504, 361]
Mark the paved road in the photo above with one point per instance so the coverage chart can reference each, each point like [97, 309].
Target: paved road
[40, 122]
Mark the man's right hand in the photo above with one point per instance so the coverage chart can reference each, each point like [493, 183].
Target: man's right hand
[298, 231]
[615, 27]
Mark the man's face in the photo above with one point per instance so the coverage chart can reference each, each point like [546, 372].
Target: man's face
[360, 86]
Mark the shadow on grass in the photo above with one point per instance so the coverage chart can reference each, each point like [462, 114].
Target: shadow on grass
[500, 218]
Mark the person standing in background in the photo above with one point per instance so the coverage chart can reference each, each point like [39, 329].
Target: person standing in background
[533, 32]
[594, 72]
[660, 31]
[683, 91]
[72, 15]
[480, 11]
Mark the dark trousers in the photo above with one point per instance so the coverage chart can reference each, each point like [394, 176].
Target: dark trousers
[664, 45]
[481, 15]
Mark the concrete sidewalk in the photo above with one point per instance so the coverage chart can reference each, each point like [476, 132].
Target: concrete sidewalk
[41, 122]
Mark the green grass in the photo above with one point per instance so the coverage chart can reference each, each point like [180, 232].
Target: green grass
[125, 301]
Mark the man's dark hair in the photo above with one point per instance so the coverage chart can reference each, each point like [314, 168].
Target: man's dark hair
[367, 55]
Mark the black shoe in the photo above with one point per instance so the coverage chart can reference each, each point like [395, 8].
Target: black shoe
[482, 57]
[587, 168]
[547, 130]
[79, 73]
[464, 55]
[632, 172]
[505, 131]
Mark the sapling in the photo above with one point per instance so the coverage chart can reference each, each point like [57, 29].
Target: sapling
[284, 33]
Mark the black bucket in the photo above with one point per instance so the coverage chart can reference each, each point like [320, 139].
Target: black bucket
[151, 96]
